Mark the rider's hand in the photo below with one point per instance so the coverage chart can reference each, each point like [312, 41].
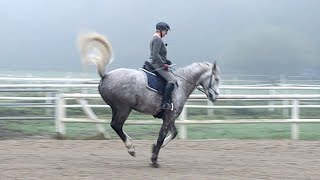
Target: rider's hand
[168, 62]
[166, 67]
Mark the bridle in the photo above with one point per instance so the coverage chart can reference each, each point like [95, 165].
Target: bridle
[210, 84]
[196, 86]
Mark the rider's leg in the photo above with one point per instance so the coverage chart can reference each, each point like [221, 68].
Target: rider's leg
[166, 101]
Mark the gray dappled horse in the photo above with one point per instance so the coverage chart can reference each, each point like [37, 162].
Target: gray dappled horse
[125, 89]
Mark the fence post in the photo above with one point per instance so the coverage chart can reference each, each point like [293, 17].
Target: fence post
[210, 110]
[283, 82]
[183, 128]
[49, 101]
[285, 111]
[89, 112]
[295, 116]
[271, 103]
[60, 114]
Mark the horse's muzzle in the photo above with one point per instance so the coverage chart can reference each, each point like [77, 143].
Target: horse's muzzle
[212, 97]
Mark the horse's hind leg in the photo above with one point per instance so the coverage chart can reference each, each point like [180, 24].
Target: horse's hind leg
[118, 119]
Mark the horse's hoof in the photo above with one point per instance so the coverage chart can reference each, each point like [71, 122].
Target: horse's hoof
[154, 162]
[132, 153]
[155, 165]
[174, 135]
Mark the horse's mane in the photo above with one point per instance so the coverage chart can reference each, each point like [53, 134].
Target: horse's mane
[199, 67]
[191, 67]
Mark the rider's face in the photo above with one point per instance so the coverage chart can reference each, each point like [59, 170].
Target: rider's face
[164, 33]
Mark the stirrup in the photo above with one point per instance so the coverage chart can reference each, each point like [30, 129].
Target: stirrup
[167, 106]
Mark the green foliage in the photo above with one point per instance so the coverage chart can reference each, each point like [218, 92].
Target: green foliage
[22, 111]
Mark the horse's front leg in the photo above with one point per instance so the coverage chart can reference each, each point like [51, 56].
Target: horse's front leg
[167, 122]
[171, 135]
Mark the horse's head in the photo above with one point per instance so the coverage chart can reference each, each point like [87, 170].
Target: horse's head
[210, 81]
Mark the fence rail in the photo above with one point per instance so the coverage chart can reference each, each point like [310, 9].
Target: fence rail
[227, 79]
[61, 118]
[95, 85]
[57, 99]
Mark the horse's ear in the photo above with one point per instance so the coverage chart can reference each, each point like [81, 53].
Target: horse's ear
[214, 67]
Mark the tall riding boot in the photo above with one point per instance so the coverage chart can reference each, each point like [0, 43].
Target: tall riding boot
[166, 100]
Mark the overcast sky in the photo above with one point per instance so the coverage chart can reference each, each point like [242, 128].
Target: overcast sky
[41, 34]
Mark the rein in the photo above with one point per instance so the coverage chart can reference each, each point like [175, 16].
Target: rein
[191, 83]
[210, 84]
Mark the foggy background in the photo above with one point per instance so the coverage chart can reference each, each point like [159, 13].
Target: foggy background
[244, 36]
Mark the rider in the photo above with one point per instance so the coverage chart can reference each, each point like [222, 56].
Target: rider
[159, 61]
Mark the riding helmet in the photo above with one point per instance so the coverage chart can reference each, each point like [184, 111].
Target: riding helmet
[162, 26]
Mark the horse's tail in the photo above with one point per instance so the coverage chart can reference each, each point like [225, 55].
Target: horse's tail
[95, 48]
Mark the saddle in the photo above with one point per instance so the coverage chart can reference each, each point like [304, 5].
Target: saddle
[155, 81]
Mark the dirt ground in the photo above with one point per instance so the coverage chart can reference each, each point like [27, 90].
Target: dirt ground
[108, 159]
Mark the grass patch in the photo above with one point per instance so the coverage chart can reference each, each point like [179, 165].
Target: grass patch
[150, 132]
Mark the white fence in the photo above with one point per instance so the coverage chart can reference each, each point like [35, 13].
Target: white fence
[56, 99]
[61, 118]
[227, 79]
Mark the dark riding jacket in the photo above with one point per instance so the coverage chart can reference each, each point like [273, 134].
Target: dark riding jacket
[158, 51]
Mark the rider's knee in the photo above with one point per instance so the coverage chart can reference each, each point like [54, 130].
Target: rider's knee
[172, 81]
[170, 86]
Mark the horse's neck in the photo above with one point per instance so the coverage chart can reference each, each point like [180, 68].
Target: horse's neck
[191, 77]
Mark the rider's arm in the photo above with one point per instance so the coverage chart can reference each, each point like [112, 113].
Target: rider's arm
[156, 49]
